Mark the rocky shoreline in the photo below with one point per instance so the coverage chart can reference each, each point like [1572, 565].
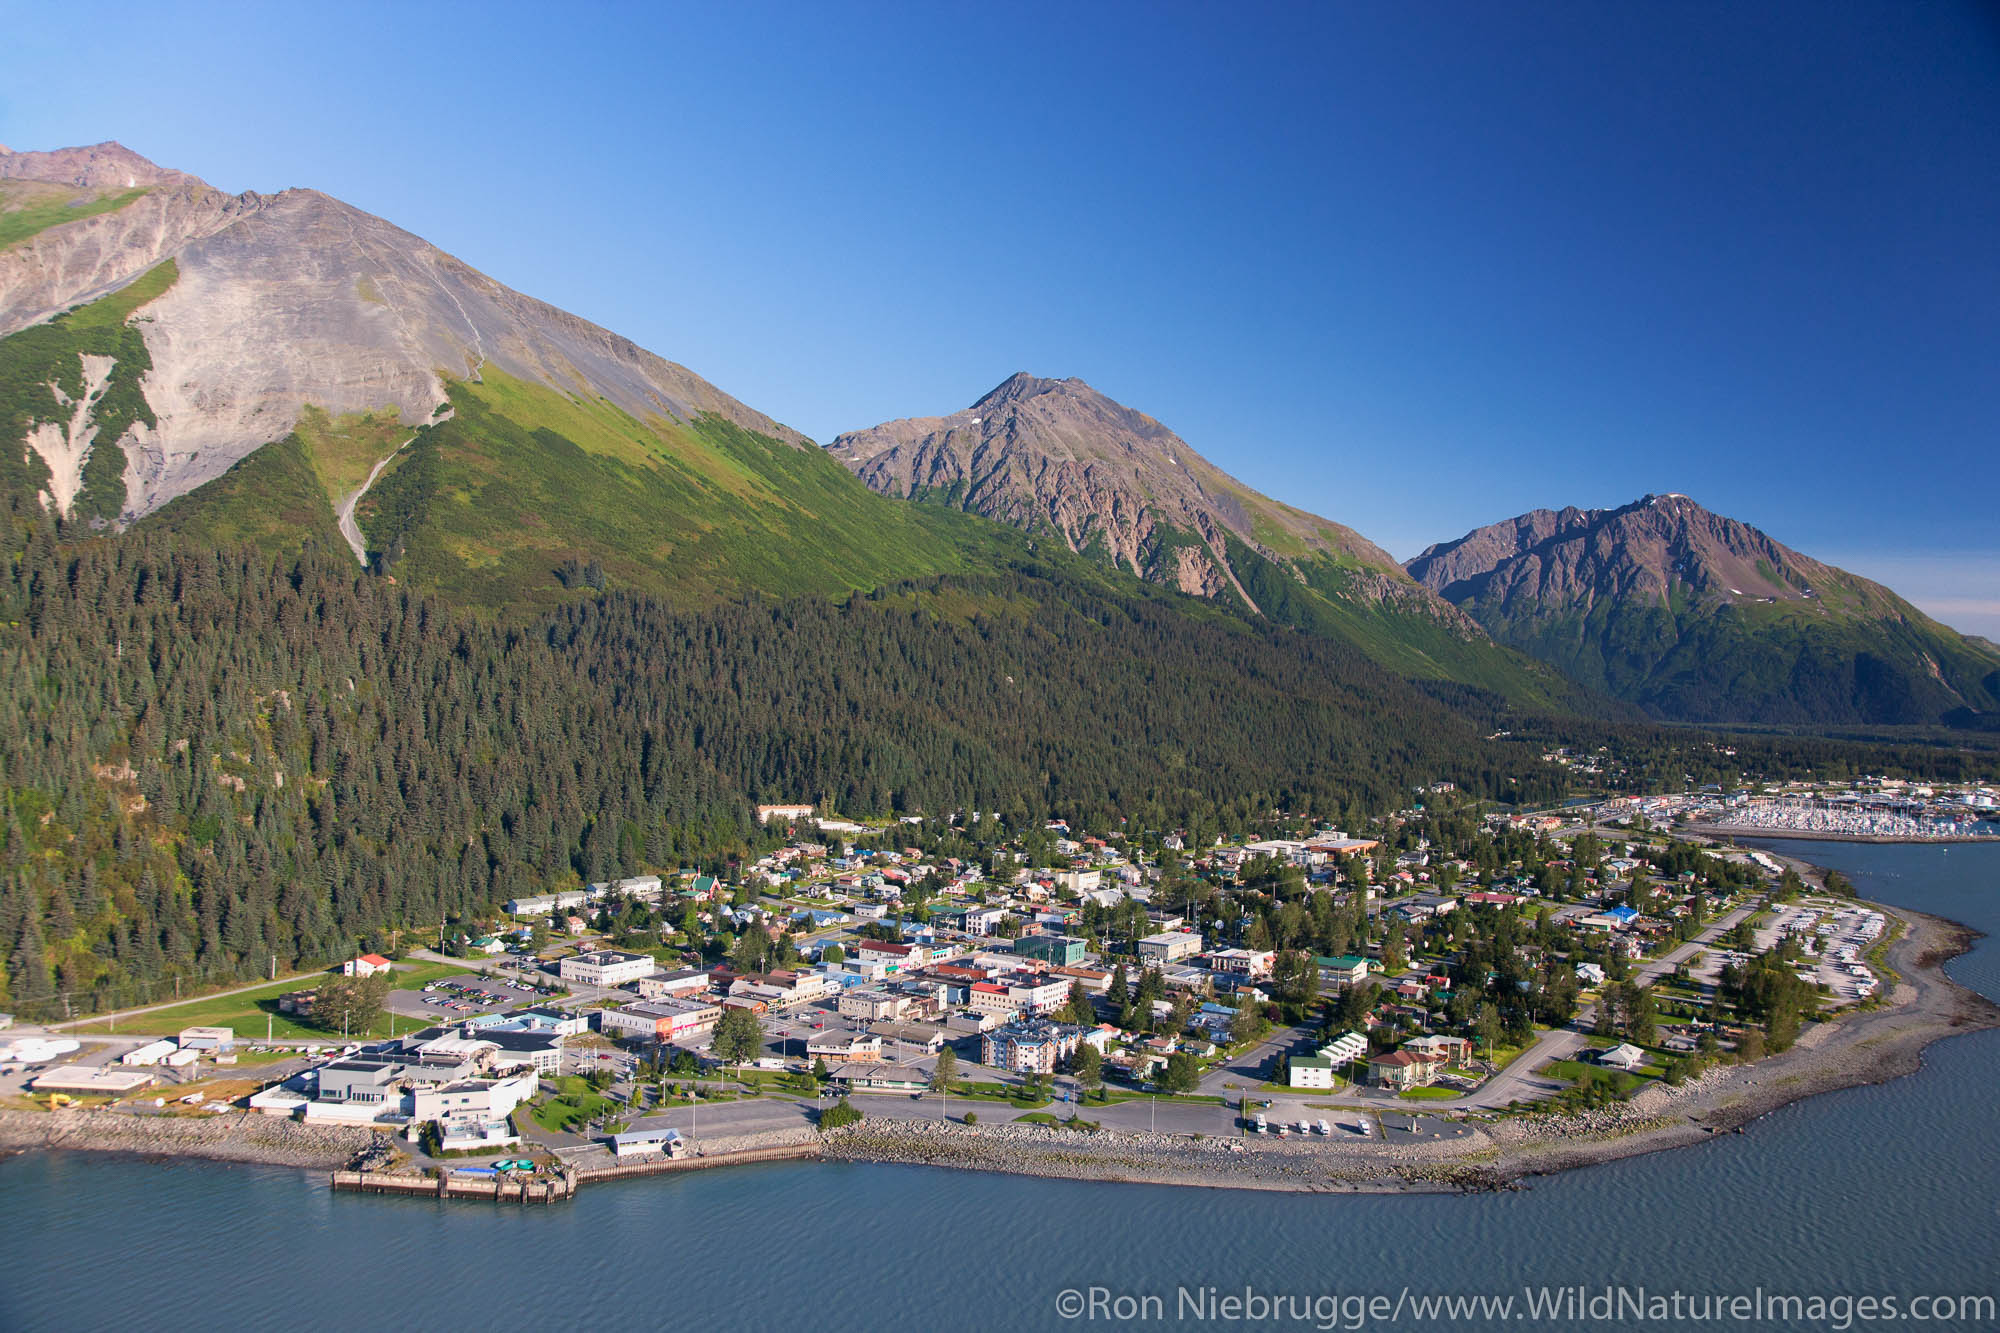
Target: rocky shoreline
[240, 1136]
[1871, 1046]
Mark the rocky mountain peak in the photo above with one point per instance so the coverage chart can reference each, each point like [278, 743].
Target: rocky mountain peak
[105, 166]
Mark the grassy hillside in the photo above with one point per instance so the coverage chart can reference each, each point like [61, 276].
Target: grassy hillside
[28, 207]
[525, 497]
[274, 500]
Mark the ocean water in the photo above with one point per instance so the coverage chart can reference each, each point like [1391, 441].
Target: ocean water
[1890, 1191]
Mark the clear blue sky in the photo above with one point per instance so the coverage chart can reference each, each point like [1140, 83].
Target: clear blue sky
[1415, 267]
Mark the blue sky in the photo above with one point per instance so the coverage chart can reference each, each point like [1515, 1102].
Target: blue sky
[1413, 267]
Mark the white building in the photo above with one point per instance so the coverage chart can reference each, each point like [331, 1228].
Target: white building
[1170, 947]
[606, 967]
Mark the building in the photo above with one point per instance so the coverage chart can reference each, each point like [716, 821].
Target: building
[1079, 881]
[1342, 972]
[788, 813]
[207, 1039]
[844, 1046]
[367, 965]
[546, 904]
[661, 1020]
[1251, 963]
[1311, 1071]
[644, 1143]
[871, 1004]
[1401, 1070]
[1452, 1050]
[1032, 1046]
[607, 968]
[682, 984]
[1623, 1056]
[473, 1110]
[1057, 950]
[1026, 995]
[150, 1054]
[1170, 946]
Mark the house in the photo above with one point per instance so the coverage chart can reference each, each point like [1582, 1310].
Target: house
[487, 944]
[607, 968]
[367, 965]
[1623, 1056]
[1590, 974]
[1169, 946]
[1032, 1046]
[1401, 1070]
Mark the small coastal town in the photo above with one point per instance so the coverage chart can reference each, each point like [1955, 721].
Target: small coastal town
[874, 984]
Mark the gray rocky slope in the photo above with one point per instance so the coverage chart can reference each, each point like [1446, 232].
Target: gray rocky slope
[289, 299]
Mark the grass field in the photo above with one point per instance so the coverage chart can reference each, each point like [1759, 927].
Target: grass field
[1577, 1071]
[1429, 1094]
[247, 1012]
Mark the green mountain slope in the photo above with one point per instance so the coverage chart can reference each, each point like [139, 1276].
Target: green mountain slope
[1697, 617]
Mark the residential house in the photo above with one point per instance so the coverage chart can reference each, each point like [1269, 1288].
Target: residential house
[367, 965]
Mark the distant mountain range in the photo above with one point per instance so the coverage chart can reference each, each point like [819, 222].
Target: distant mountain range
[1058, 459]
[1698, 617]
[287, 370]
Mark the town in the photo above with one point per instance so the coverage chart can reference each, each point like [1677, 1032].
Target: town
[1451, 966]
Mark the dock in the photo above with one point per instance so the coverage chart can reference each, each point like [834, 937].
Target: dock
[546, 1189]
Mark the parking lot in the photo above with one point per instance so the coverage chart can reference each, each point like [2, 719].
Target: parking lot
[457, 998]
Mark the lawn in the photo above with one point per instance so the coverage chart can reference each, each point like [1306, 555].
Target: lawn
[573, 1105]
[1579, 1072]
[249, 1011]
[1429, 1094]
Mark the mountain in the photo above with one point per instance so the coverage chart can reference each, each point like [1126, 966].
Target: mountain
[1060, 460]
[280, 367]
[1701, 618]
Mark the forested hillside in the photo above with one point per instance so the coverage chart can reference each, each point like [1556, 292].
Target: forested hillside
[218, 757]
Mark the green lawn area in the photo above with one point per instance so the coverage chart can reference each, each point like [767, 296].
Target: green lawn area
[1429, 1094]
[247, 1012]
[574, 1104]
[1579, 1071]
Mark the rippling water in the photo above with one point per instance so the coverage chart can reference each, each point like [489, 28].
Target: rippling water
[1888, 1190]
